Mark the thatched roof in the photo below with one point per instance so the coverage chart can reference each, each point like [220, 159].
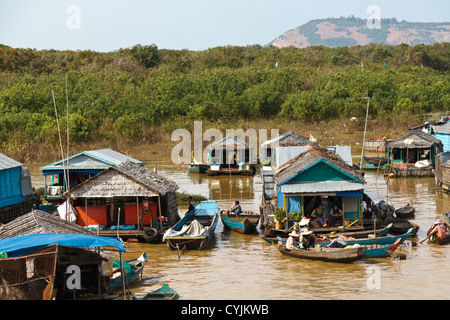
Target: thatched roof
[414, 139]
[147, 178]
[124, 180]
[38, 221]
[308, 158]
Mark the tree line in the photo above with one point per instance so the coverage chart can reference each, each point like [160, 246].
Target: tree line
[131, 91]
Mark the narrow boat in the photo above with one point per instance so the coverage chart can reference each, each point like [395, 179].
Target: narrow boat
[382, 251]
[437, 233]
[134, 272]
[244, 222]
[406, 212]
[376, 160]
[198, 167]
[325, 254]
[163, 293]
[369, 241]
[196, 229]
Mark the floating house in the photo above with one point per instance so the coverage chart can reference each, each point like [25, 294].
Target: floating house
[413, 154]
[129, 197]
[319, 176]
[442, 170]
[282, 154]
[79, 167]
[231, 156]
[287, 139]
[16, 192]
[443, 133]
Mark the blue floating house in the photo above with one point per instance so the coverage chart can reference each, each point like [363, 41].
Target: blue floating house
[80, 167]
[316, 176]
[443, 133]
[16, 192]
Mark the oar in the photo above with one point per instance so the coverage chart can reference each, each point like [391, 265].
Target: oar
[343, 228]
[424, 239]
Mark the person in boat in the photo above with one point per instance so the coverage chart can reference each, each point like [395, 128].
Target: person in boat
[291, 242]
[318, 215]
[336, 242]
[191, 205]
[336, 214]
[236, 209]
[307, 238]
[440, 229]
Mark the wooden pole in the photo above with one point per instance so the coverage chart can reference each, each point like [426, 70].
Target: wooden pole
[137, 212]
[159, 214]
[86, 209]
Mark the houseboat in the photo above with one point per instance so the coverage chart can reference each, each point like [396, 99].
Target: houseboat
[16, 192]
[413, 155]
[127, 199]
[79, 168]
[231, 156]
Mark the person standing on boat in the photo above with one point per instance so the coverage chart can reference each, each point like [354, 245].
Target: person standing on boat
[291, 243]
[318, 215]
[236, 209]
[191, 205]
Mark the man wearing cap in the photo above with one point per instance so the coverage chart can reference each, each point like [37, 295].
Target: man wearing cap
[337, 242]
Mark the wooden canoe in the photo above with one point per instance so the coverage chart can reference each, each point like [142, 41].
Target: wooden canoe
[369, 241]
[244, 222]
[344, 255]
[163, 293]
[406, 212]
[376, 251]
[138, 267]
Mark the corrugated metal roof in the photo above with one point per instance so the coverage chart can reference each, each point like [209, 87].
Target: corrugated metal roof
[443, 129]
[94, 159]
[321, 187]
[284, 154]
[8, 163]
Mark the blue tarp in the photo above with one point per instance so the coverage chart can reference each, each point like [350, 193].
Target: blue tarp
[23, 245]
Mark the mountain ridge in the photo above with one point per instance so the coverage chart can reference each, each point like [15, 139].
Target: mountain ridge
[351, 31]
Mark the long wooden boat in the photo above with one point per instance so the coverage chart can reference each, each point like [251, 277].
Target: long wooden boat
[325, 254]
[163, 293]
[406, 212]
[196, 229]
[382, 251]
[373, 250]
[198, 167]
[137, 265]
[244, 222]
[376, 160]
[369, 241]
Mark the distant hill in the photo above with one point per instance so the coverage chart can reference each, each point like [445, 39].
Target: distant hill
[339, 32]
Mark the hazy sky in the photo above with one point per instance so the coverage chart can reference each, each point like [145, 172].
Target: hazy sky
[102, 25]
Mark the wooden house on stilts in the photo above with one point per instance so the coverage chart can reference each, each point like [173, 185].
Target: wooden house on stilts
[127, 199]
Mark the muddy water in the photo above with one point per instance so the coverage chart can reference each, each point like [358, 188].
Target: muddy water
[245, 267]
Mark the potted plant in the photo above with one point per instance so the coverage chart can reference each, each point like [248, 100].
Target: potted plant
[279, 216]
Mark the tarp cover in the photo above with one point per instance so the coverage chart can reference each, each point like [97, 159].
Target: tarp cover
[194, 229]
[23, 245]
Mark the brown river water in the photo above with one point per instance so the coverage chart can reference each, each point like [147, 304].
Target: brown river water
[238, 266]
